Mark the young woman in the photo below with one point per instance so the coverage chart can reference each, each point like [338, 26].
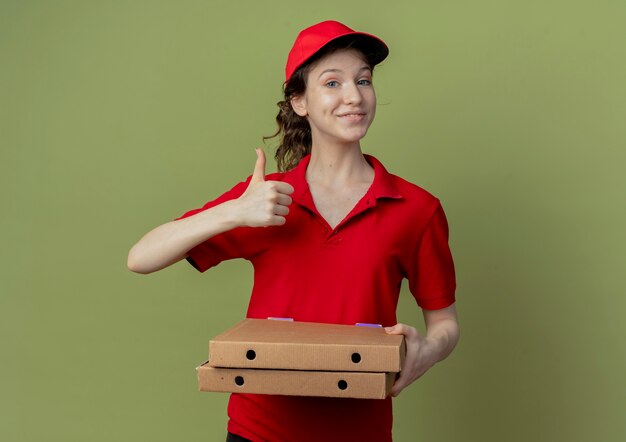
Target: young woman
[331, 236]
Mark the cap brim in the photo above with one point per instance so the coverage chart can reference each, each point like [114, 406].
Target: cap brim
[374, 48]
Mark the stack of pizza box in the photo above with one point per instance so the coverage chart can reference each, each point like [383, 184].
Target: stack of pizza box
[266, 356]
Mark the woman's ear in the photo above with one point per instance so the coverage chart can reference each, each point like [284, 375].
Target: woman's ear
[298, 104]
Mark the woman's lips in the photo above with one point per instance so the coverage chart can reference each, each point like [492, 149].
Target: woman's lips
[352, 118]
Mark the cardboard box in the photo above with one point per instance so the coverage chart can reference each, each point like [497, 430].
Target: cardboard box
[295, 382]
[292, 345]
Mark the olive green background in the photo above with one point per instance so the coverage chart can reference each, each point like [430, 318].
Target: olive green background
[117, 116]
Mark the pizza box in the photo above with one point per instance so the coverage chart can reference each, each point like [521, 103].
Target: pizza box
[359, 385]
[293, 345]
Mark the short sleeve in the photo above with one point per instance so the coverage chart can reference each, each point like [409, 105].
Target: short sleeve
[431, 273]
[226, 245]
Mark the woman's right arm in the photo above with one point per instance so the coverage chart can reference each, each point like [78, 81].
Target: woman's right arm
[170, 242]
[264, 203]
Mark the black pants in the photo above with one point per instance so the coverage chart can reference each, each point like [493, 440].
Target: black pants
[234, 438]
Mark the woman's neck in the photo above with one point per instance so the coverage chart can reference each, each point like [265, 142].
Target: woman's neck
[338, 167]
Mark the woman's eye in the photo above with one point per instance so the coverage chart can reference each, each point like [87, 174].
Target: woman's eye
[365, 82]
[331, 83]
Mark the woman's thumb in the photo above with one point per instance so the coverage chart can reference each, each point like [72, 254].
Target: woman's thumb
[259, 167]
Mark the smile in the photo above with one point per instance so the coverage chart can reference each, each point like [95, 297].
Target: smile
[352, 117]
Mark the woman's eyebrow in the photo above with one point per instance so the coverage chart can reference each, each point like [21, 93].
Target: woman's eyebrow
[364, 68]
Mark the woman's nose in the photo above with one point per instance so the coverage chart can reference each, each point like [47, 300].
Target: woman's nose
[352, 94]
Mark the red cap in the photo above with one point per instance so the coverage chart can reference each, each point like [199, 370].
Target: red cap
[313, 38]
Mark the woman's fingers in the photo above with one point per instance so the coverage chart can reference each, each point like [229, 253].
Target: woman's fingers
[265, 203]
[281, 210]
[277, 221]
[402, 329]
[283, 199]
[282, 187]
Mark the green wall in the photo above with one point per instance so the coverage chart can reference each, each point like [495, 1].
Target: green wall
[117, 116]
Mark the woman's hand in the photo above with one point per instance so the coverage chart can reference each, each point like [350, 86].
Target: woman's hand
[420, 356]
[264, 203]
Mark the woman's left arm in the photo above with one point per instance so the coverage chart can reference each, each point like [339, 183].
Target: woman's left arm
[422, 352]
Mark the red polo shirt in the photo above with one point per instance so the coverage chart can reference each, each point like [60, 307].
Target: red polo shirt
[309, 272]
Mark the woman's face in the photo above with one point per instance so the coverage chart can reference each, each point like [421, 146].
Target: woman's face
[339, 101]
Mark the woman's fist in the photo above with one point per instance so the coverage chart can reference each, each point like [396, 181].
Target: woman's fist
[264, 203]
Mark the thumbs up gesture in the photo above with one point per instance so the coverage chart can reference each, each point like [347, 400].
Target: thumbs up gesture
[264, 203]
